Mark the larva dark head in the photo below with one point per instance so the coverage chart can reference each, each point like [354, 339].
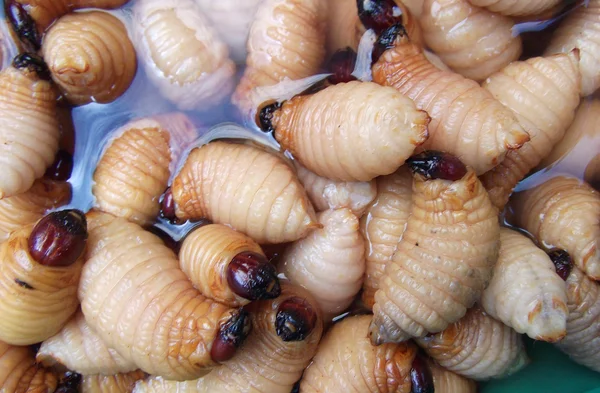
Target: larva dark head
[251, 276]
[167, 206]
[59, 238]
[264, 118]
[295, 319]
[23, 24]
[342, 65]
[231, 336]
[562, 262]
[387, 40]
[437, 165]
[61, 168]
[379, 14]
[69, 383]
[32, 63]
[421, 377]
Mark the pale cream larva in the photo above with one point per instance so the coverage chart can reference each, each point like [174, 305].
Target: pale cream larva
[134, 169]
[30, 206]
[477, 347]
[247, 188]
[346, 362]
[525, 292]
[564, 212]
[118, 383]
[134, 295]
[227, 266]
[466, 119]
[383, 225]
[29, 134]
[182, 54]
[287, 40]
[286, 332]
[328, 194]
[232, 19]
[327, 131]
[446, 256]
[19, 373]
[570, 35]
[446, 381]
[543, 93]
[330, 262]
[39, 276]
[515, 7]
[474, 42]
[79, 348]
[90, 57]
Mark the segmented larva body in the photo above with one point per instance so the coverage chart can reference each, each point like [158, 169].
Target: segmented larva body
[135, 168]
[581, 342]
[543, 93]
[265, 364]
[232, 19]
[90, 57]
[205, 256]
[287, 40]
[19, 373]
[118, 383]
[327, 131]
[330, 262]
[328, 194]
[443, 262]
[516, 7]
[136, 298]
[446, 381]
[525, 292]
[80, 349]
[477, 347]
[383, 225]
[247, 188]
[44, 296]
[30, 206]
[44, 12]
[29, 134]
[582, 30]
[466, 120]
[472, 41]
[564, 212]
[182, 54]
[346, 362]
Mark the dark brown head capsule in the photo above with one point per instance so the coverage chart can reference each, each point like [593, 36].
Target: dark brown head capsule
[379, 14]
[231, 336]
[23, 24]
[295, 319]
[342, 65]
[61, 168]
[59, 238]
[264, 118]
[251, 276]
[437, 165]
[387, 40]
[562, 262]
[421, 377]
[167, 206]
[32, 63]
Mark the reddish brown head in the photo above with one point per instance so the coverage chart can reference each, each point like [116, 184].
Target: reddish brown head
[421, 377]
[61, 168]
[379, 14]
[231, 336]
[437, 165]
[295, 319]
[562, 262]
[252, 277]
[59, 239]
[342, 65]
[167, 206]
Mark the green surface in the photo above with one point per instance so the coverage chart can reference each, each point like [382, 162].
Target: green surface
[549, 372]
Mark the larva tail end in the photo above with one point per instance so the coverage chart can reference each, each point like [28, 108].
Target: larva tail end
[252, 277]
[265, 115]
[379, 14]
[23, 24]
[32, 63]
[295, 319]
[437, 165]
[421, 377]
[59, 239]
[388, 39]
[562, 262]
[231, 336]
[342, 65]
[516, 137]
[548, 321]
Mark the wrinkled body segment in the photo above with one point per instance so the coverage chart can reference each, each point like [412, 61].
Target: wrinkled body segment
[465, 119]
[247, 188]
[19, 373]
[448, 382]
[516, 7]
[327, 131]
[443, 262]
[118, 383]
